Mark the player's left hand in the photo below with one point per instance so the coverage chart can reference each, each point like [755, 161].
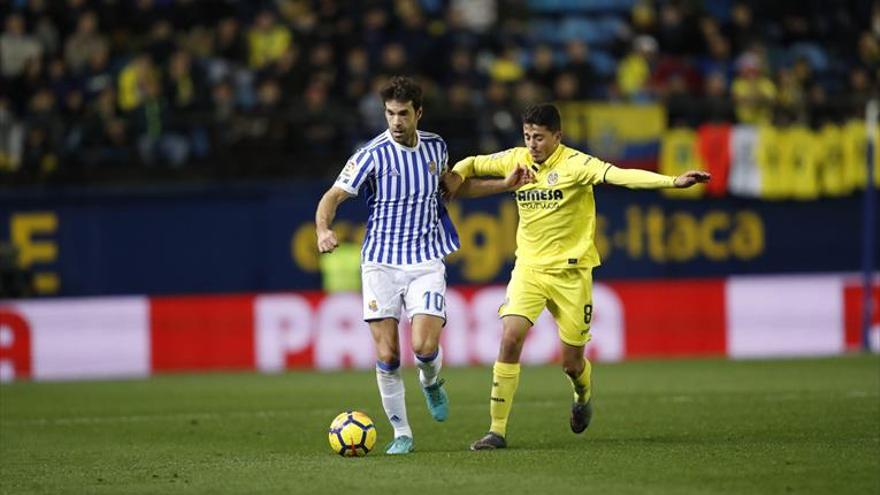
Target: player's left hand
[449, 184]
[692, 177]
[518, 177]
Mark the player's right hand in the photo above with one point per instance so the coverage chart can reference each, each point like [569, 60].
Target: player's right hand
[327, 241]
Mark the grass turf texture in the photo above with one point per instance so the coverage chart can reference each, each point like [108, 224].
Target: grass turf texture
[695, 426]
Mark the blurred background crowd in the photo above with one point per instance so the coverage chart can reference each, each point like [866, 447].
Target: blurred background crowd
[162, 90]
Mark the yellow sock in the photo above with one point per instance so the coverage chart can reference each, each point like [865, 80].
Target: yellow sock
[581, 385]
[505, 378]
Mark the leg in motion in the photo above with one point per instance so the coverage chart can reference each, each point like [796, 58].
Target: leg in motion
[429, 359]
[578, 370]
[505, 378]
[390, 382]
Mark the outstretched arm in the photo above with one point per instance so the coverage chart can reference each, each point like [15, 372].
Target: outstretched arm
[454, 186]
[642, 179]
[324, 218]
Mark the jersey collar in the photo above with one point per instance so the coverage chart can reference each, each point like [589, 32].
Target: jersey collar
[407, 148]
[551, 161]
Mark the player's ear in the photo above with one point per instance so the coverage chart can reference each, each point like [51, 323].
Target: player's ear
[419, 113]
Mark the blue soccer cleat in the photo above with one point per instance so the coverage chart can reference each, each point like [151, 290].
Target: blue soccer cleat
[400, 445]
[438, 402]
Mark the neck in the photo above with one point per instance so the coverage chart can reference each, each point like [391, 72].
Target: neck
[409, 140]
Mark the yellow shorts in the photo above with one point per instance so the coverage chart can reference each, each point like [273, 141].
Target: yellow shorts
[566, 293]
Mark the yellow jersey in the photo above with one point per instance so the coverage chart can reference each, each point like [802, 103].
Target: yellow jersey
[557, 213]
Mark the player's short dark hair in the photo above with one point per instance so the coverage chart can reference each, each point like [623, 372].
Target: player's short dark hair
[402, 89]
[545, 114]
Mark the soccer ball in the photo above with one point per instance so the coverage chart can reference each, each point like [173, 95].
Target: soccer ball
[352, 434]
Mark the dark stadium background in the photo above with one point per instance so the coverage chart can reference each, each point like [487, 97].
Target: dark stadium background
[161, 161]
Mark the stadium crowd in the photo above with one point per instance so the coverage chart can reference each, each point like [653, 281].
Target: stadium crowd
[134, 90]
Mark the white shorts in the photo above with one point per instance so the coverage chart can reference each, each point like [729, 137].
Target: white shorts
[420, 289]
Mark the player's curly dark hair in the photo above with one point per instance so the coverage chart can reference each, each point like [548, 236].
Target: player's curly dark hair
[545, 114]
[402, 89]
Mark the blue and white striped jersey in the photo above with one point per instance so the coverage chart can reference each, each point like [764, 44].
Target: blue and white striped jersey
[408, 222]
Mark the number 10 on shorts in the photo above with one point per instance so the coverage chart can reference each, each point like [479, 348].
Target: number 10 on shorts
[437, 299]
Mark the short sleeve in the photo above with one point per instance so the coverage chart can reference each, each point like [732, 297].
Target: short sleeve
[355, 172]
[592, 171]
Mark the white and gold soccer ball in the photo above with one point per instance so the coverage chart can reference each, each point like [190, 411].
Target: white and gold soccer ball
[352, 434]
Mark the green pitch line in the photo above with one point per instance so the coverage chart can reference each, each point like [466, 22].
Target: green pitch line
[695, 426]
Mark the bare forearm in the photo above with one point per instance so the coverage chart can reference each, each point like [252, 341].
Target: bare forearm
[326, 211]
[475, 188]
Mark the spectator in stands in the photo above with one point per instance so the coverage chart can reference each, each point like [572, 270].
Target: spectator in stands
[634, 71]
[718, 59]
[753, 93]
[105, 140]
[228, 43]
[498, 123]
[393, 60]
[267, 40]
[133, 81]
[791, 97]
[578, 65]
[715, 105]
[507, 67]
[566, 87]
[158, 143]
[462, 70]
[17, 47]
[318, 127]
[543, 69]
[43, 136]
[11, 139]
[677, 32]
[742, 30]
[355, 78]
[455, 118]
[161, 43]
[84, 43]
[97, 75]
[681, 107]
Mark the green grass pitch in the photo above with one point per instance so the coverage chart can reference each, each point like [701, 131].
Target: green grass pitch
[690, 426]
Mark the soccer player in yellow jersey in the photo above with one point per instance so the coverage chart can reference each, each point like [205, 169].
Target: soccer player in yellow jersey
[555, 251]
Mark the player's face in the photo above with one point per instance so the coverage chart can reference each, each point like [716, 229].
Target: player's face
[540, 141]
[402, 121]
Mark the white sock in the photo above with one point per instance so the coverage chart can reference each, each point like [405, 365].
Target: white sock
[393, 397]
[429, 367]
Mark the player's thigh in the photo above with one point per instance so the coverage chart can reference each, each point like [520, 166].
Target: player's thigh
[526, 296]
[425, 292]
[571, 304]
[382, 289]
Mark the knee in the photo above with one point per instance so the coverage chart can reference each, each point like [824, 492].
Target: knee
[424, 347]
[388, 356]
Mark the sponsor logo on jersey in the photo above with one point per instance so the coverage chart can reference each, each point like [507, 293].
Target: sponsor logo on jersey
[538, 194]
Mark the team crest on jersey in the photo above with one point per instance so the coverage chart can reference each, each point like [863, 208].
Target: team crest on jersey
[552, 178]
[373, 306]
[432, 167]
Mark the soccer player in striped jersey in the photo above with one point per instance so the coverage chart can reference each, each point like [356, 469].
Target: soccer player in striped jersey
[555, 252]
[408, 234]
